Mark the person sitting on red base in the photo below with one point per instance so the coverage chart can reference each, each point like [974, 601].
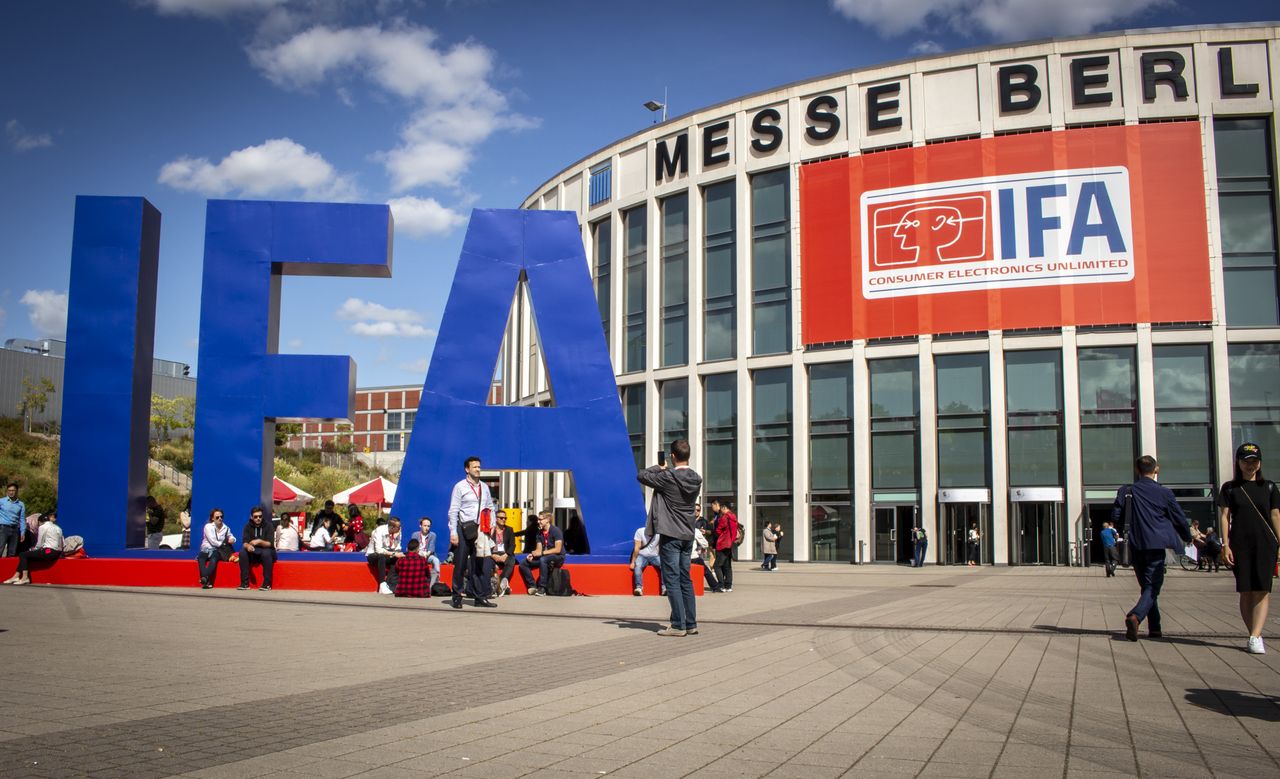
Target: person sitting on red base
[411, 574]
[48, 547]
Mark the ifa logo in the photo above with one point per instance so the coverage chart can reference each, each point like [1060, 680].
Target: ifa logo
[1029, 229]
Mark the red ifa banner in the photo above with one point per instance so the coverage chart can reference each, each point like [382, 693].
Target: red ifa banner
[1091, 226]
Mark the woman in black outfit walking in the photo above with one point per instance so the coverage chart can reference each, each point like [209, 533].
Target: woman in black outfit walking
[1250, 520]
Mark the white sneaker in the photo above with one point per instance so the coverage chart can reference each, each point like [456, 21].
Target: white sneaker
[1255, 646]
[504, 588]
[383, 589]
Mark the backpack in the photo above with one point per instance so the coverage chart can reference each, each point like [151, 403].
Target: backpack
[440, 590]
[559, 582]
[741, 535]
[72, 544]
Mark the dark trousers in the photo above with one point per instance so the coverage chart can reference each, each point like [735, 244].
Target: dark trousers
[1148, 565]
[384, 568]
[921, 548]
[724, 567]
[467, 574]
[769, 562]
[545, 563]
[972, 553]
[708, 575]
[508, 567]
[265, 556]
[207, 562]
[674, 554]
[36, 555]
[1112, 557]
[9, 540]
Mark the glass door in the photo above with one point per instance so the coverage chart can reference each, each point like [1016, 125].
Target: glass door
[1039, 536]
[886, 533]
[957, 519]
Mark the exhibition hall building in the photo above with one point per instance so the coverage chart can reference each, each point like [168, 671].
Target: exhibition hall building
[962, 292]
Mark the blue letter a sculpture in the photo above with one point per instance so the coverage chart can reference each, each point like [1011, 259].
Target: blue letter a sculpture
[584, 433]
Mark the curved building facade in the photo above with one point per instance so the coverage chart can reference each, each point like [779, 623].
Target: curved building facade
[961, 292]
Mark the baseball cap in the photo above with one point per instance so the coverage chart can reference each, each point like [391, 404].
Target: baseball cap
[1247, 451]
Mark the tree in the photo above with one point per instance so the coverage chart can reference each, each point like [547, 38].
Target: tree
[169, 414]
[285, 431]
[35, 398]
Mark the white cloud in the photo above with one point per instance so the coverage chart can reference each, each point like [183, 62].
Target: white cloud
[418, 366]
[294, 343]
[455, 105]
[374, 320]
[47, 311]
[419, 217]
[925, 47]
[211, 8]
[279, 166]
[21, 140]
[1000, 19]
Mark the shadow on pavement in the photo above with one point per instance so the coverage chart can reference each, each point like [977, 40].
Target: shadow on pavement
[635, 624]
[1236, 704]
[1118, 635]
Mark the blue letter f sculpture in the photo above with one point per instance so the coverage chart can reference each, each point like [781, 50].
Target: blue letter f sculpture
[584, 433]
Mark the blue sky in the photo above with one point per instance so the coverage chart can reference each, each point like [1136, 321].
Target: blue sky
[436, 107]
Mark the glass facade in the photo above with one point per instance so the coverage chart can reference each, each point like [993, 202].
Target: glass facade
[771, 439]
[633, 412]
[633, 348]
[1184, 413]
[770, 263]
[1246, 208]
[963, 392]
[1254, 370]
[602, 240]
[674, 421]
[895, 423]
[720, 283]
[1108, 414]
[720, 415]
[831, 462]
[675, 280]
[1033, 387]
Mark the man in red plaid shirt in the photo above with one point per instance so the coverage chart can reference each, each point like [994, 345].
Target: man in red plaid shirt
[412, 573]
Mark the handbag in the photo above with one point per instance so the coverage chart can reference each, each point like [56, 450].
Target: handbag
[469, 531]
[225, 551]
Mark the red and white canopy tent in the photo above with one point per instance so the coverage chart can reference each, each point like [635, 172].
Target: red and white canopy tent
[378, 492]
[287, 497]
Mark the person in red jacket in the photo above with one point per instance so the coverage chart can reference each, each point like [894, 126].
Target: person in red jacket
[726, 533]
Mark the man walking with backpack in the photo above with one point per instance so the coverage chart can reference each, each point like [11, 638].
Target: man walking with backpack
[675, 492]
[725, 531]
[1152, 521]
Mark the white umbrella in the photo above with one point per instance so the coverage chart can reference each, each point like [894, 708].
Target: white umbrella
[377, 491]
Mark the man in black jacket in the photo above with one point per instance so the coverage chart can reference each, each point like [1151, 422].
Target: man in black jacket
[503, 556]
[675, 491]
[259, 545]
[1151, 519]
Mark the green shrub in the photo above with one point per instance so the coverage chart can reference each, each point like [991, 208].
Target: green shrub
[40, 495]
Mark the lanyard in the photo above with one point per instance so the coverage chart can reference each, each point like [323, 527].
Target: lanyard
[475, 489]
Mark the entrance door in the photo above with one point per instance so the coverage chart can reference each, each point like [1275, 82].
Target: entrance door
[1039, 536]
[957, 518]
[1098, 513]
[893, 533]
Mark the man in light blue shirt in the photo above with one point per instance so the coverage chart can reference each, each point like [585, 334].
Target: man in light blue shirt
[13, 521]
[470, 497]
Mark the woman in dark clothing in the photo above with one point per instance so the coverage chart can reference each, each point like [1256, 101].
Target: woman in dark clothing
[1250, 520]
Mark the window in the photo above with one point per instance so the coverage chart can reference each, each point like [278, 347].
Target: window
[1184, 413]
[963, 389]
[1033, 385]
[602, 239]
[675, 412]
[409, 418]
[720, 412]
[895, 420]
[637, 267]
[393, 442]
[771, 439]
[675, 280]
[770, 263]
[720, 330]
[831, 462]
[1108, 414]
[1254, 373]
[393, 420]
[633, 411]
[1246, 206]
[601, 186]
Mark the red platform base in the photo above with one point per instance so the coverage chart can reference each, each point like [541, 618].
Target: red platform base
[322, 575]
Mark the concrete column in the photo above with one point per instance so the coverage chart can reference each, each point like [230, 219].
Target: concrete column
[999, 454]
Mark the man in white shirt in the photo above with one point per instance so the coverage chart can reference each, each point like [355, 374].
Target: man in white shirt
[644, 553]
[470, 497]
[383, 551]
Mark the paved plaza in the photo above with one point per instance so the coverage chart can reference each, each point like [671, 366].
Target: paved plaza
[812, 671]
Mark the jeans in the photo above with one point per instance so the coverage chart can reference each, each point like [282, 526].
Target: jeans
[708, 575]
[675, 555]
[9, 540]
[267, 556]
[1112, 556]
[207, 562]
[724, 568]
[154, 540]
[921, 548]
[544, 569]
[769, 562]
[1148, 565]
[384, 566]
[642, 562]
[434, 562]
